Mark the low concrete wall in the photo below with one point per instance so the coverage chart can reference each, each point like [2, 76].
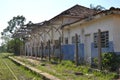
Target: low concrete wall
[37, 71]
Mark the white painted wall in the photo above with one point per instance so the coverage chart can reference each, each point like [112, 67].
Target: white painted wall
[116, 33]
[90, 27]
[86, 31]
[59, 22]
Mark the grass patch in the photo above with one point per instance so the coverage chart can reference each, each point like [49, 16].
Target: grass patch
[66, 70]
[20, 72]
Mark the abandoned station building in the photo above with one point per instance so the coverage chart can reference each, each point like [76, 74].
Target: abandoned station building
[60, 31]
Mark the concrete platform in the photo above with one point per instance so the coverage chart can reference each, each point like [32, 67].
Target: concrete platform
[37, 71]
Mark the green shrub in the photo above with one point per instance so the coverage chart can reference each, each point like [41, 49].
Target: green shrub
[110, 61]
[67, 63]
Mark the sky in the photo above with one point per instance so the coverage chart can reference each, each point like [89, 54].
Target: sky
[41, 10]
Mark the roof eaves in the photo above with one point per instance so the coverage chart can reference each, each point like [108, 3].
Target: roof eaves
[103, 13]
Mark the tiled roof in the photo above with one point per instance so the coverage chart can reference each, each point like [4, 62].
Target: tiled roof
[78, 11]
[75, 11]
[112, 10]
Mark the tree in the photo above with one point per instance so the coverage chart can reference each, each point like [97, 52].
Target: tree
[13, 25]
[5, 39]
[13, 46]
[3, 48]
[97, 8]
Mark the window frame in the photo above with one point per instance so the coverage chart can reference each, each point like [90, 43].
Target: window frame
[104, 39]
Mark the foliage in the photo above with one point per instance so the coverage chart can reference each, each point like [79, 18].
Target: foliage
[67, 70]
[67, 63]
[105, 76]
[3, 48]
[14, 24]
[5, 39]
[97, 8]
[14, 45]
[110, 61]
[20, 72]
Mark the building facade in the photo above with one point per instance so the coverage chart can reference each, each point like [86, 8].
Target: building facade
[85, 22]
[107, 21]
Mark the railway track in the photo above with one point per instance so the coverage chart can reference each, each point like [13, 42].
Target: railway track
[11, 71]
[5, 70]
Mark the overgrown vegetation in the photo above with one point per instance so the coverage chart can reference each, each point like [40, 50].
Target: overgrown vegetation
[97, 8]
[68, 70]
[9, 42]
[110, 61]
[20, 72]
[14, 45]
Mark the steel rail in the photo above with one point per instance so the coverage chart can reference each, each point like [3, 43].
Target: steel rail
[10, 70]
